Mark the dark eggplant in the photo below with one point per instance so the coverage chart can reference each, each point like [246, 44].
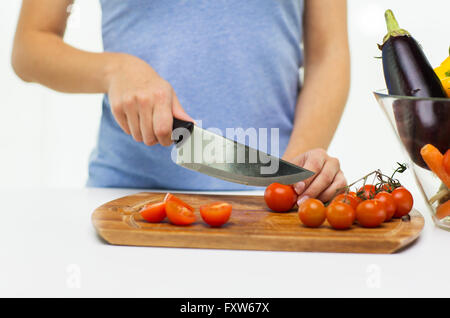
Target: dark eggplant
[407, 71]
[420, 122]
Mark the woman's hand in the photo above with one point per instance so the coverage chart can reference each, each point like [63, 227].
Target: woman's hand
[328, 178]
[142, 102]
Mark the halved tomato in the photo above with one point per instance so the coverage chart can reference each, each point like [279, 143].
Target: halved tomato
[171, 197]
[216, 213]
[178, 214]
[154, 213]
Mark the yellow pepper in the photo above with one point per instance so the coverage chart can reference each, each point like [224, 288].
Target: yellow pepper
[446, 84]
[443, 72]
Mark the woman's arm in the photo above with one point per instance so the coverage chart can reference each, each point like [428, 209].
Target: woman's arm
[142, 102]
[327, 76]
[323, 96]
[40, 54]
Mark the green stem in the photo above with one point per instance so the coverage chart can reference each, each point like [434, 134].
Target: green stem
[391, 22]
[393, 27]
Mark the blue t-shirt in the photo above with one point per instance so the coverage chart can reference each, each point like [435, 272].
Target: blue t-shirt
[232, 63]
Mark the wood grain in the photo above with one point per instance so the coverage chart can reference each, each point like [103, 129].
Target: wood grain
[251, 227]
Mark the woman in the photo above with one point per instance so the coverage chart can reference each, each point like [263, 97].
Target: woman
[228, 63]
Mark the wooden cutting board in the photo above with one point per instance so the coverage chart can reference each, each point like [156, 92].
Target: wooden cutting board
[251, 227]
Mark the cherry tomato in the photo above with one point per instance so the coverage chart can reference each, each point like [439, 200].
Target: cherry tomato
[280, 197]
[389, 203]
[312, 213]
[358, 199]
[371, 213]
[443, 210]
[387, 187]
[340, 215]
[171, 197]
[347, 198]
[368, 191]
[154, 213]
[446, 161]
[404, 201]
[179, 214]
[216, 213]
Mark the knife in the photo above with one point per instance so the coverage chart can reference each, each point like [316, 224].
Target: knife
[214, 155]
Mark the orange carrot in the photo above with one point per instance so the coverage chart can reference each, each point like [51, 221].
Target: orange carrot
[434, 159]
[443, 210]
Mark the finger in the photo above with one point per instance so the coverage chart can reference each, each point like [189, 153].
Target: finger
[146, 122]
[121, 119]
[313, 161]
[130, 108]
[162, 118]
[323, 180]
[178, 111]
[335, 188]
[299, 187]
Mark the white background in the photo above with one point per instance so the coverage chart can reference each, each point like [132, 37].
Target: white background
[46, 137]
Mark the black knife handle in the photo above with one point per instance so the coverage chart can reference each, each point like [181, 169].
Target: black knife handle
[178, 123]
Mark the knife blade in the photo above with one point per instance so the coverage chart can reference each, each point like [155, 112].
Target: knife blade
[212, 154]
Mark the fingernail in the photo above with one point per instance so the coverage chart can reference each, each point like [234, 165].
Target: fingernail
[303, 198]
[299, 187]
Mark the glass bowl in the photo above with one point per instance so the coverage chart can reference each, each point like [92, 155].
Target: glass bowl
[417, 122]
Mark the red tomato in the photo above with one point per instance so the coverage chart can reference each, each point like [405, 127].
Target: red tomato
[389, 203]
[443, 210]
[358, 199]
[347, 198]
[154, 213]
[179, 214]
[368, 191]
[387, 187]
[446, 161]
[216, 214]
[340, 215]
[371, 213]
[312, 212]
[404, 201]
[171, 197]
[280, 197]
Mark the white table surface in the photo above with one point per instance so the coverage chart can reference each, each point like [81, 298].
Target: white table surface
[49, 248]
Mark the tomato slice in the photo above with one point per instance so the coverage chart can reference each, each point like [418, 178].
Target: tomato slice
[216, 213]
[171, 197]
[154, 213]
[178, 214]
